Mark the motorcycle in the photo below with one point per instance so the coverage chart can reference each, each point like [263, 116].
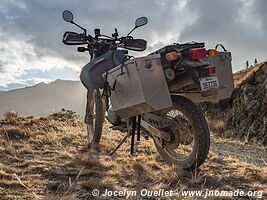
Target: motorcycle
[155, 95]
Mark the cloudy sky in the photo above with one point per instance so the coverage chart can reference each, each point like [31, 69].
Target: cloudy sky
[31, 31]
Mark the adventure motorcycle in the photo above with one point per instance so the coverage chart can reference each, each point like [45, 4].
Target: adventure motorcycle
[152, 95]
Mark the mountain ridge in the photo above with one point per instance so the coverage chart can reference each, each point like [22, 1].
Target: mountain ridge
[45, 98]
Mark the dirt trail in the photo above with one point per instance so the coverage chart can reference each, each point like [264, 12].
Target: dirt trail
[248, 153]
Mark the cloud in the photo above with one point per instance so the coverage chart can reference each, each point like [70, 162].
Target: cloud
[20, 56]
[31, 30]
[237, 24]
[40, 22]
[260, 10]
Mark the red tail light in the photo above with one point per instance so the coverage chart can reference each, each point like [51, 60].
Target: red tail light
[211, 70]
[198, 53]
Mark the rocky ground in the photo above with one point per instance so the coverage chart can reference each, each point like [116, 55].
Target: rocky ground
[47, 158]
[244, 114]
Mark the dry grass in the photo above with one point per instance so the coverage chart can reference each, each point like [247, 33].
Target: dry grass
[52, 162]
[8, 116]
[16, 133]
[217, 126]
[242, 75]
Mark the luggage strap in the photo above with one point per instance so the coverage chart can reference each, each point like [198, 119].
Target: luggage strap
[107, 88]
[220, 45]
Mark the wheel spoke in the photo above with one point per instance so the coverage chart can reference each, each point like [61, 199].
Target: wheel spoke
[183, 133]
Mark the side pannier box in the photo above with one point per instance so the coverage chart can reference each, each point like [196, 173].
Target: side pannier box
[223, 71]
[139, 86]
[223, 66]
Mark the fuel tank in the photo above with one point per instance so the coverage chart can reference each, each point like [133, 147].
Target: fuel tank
[91, 74]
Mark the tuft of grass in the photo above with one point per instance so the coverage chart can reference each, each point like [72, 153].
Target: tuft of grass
[176, 171]
[217, 126]
[8, 116]
[101, 184]
[16, 133]
[56, 197]
[140, 170]
[26, 149]
[263, 174]
[215, 158]
[87, 161]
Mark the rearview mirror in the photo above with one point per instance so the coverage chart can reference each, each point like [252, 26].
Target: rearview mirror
[67, 16]
[141, 21]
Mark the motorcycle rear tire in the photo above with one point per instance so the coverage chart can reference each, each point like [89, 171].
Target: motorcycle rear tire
[200, 133]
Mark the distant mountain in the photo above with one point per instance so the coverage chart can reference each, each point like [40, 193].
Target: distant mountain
[43, 99]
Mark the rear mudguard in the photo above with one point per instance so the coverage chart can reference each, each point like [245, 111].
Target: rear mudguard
[191, 75]
[191, 68]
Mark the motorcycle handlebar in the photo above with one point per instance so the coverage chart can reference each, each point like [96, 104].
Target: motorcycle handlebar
[72, 38]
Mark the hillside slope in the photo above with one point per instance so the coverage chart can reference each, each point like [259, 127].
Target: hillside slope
[47, 158]
[43, 99]
[242, 75]
[244, 114]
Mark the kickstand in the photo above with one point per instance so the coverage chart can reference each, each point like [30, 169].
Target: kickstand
[133, 120]
[120, 143]
[138, 128]
[137, 143]
[130, 132]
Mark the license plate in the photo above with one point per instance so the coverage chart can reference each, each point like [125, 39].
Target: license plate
[209, 83]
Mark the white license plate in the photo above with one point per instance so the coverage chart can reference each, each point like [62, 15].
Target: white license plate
[209, 83]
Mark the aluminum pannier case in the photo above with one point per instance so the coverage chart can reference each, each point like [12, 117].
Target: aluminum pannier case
[223, 65]
[139, 86]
